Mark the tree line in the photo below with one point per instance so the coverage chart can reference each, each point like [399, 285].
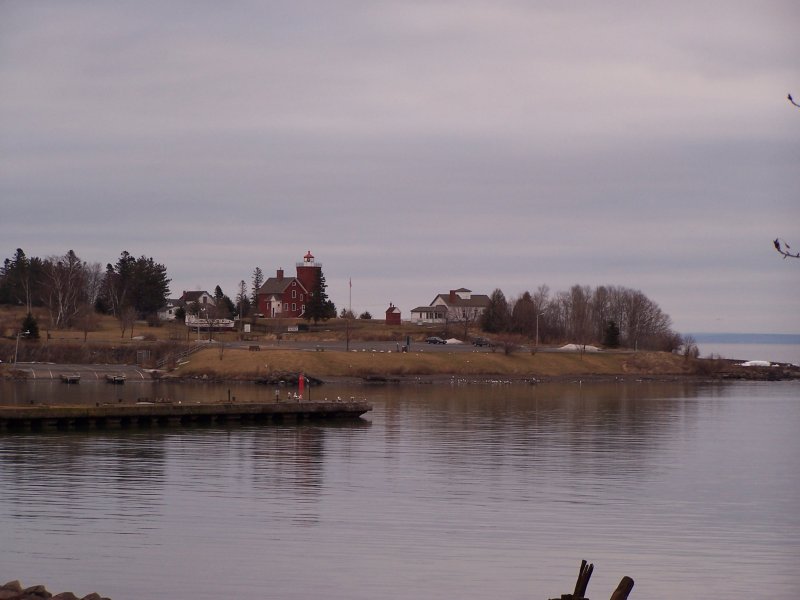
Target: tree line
[73, 290]
[608, 315]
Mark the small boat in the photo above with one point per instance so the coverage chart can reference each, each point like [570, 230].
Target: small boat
[70, 377]
[116, 378]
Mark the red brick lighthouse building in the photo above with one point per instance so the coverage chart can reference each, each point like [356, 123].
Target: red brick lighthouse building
[308, 271]
[287, 297]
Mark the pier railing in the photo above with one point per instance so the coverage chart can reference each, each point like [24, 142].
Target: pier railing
[177, 356]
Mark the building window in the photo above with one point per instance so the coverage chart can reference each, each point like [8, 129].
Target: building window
[285, 306]
[294, 294]
[294, 307]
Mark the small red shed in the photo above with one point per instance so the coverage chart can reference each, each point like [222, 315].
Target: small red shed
[392, 315]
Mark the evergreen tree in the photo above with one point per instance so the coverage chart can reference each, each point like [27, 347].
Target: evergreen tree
[319, 307]
[258, 281]
[138, 283]
[242, 300]
[30, 326]
[611, 335]
[151, 286]
[523, 315]
[20, 279]
[224, 307]
[228, 306]
[496, 317]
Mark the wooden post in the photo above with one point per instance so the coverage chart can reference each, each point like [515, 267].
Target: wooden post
[584, 574]
[582, 583]
[623, 589]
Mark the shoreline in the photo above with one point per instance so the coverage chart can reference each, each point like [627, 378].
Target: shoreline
[282, 367]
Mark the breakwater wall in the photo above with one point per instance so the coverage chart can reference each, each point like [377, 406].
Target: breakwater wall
[174, 414]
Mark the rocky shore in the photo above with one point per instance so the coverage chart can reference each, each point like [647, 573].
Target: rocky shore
[13, 590]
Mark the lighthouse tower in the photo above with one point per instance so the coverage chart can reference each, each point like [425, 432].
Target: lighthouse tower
[308, 272]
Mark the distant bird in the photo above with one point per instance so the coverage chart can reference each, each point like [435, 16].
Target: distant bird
[789, 96]
[777, 243]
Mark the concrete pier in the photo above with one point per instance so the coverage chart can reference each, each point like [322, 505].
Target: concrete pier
[169, 414]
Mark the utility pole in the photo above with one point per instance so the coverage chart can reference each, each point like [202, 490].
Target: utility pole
[16, 349]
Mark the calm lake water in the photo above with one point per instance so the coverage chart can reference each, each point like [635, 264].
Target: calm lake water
[473, 491]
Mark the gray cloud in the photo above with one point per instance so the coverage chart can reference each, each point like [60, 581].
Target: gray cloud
[414, 146]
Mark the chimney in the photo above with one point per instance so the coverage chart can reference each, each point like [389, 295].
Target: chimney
[280, 274]
[452, 296]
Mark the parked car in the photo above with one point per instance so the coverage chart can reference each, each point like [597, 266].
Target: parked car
[435, 340]
[481, 341]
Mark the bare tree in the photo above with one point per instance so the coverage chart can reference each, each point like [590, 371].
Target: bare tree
[601, 312]
[689, 347]
[508, 342]
[127, 318]
[87, 319]
[64, 288]
[580, 309]
[94, 281]
[465, 316]
[783, 248]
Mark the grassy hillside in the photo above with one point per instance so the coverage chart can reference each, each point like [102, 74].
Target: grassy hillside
[241, 364]
[107, 329]
[104, 343]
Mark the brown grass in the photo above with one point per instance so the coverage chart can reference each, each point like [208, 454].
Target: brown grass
[108, 330]
[241, 364]
[105, 345]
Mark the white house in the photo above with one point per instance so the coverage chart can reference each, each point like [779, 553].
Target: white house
[458, 305]
[201, 297]
[423, 315]
[167, 312]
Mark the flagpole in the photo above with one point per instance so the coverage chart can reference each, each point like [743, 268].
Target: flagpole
[349, 315]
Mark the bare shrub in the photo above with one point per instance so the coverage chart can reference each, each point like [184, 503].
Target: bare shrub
[688, 347]
[508, 343]
[713, 365]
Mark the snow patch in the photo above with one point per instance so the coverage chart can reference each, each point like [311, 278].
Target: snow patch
[578, 348]
[756, 363]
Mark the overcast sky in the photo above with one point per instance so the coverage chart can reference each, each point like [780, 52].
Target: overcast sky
[415, 146]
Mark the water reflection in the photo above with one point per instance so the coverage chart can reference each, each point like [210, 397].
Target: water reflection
[465, 491]
[606, 432]
[74, 483]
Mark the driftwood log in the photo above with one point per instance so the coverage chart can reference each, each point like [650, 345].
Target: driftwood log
[584, 574]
